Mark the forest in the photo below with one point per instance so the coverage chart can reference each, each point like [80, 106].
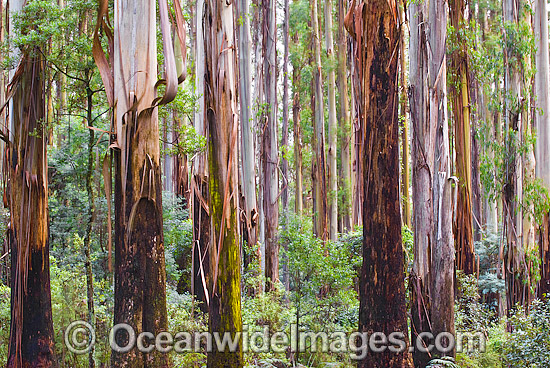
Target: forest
[275, 184]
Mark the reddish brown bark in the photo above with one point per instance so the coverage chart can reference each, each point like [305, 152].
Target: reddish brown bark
[31, 330]
[375, 30]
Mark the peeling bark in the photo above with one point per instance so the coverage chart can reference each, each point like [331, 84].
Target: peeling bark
[221, 118]
[140, 279]
[31, 331]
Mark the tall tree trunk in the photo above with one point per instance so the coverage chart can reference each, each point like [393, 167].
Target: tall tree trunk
[247, 135]
[31, 341]
[542, 123]
[461, 114]
[140, 279]
[284, 138]
[296, 108]
[375, 29]
[405, 149]
[91, 219]
[442, 254]
[345, 118]
[358, 135]
[513, 107]
[423, 153]
[320, 181]
[270, 151]
[31, 333]
[221, 119]
[332, 126]
[200, 192]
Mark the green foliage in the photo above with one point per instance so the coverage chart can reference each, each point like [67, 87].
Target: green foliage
[445, 362]
[5, 318]
[175, 117]
[529, 344]
[178, 238]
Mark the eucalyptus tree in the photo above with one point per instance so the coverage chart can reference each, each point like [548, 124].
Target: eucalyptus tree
[221, 119]
[542, 123]
[140, 279]
[374, 27]
[332, 126]
[31, 340]
[270, 152]
[460, 101]
[432, 276]
[247, 134]
[319, 176]
[515, 119]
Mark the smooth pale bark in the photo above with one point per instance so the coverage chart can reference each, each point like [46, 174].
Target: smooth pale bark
[319, 170]
[332, 126]
[405, 148]
[345, 119]
[168, 160]
[461, 116]
[140, 279]
[375, 30]
[284, 139]
[247, 134]
[296, 108]
[542, 124]
[270, 150]
[221, 117]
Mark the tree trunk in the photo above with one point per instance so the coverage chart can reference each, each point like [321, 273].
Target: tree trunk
[332, 126]
[320, 182]
[542, 123]
[221, 119]
[284, 139]
[423, 153]
[247, 134]
[405, 181]
[91, 219]
[200, 193]
[461, 113]
[140, 279]
[345, 119]
[31, 333]
[514, 258]
[270, 151]
[375, 30]
[296, 108]
[442, 260]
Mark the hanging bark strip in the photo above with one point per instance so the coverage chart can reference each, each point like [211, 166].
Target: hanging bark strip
[374, 26]
[31, 341]
[465, 258]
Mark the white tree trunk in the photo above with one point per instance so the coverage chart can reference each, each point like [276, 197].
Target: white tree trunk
[542, 97]
[332, 125]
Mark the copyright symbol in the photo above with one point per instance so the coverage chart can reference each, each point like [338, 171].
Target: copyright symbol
[80, 337]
